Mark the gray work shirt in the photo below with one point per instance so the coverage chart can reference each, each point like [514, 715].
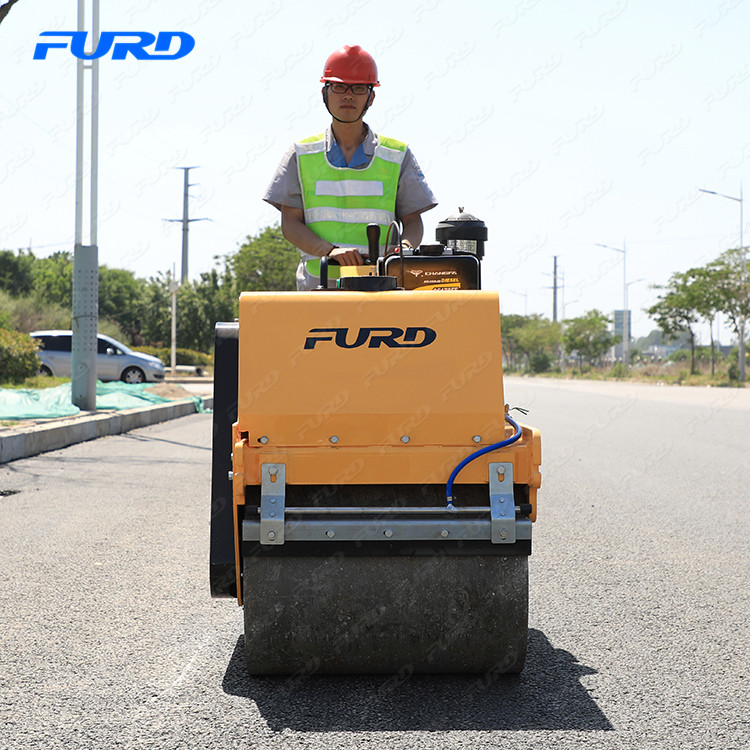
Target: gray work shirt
[412, 196]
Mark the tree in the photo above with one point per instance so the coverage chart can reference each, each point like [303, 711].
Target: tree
[200, 305]
[511, 325]
[156, 310]
[588, 336]
[732, 287]
[120, 296]
[16, 272]
[53, 278]
[218, 301]
[705, 283]
[677, 309]
[537, 339]
[266, 262]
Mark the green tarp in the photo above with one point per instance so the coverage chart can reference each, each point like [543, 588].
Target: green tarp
[41, 403]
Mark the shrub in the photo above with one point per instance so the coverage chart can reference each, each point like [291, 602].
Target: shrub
[18, 358]
[681, 355]
[184, 356]
[619, 371]
[111, 328]
[539, 362]
[32, 313]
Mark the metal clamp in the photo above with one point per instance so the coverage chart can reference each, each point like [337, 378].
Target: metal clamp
[502, 504]
[272, 503]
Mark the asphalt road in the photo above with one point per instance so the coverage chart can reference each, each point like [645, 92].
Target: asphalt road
[639, 597]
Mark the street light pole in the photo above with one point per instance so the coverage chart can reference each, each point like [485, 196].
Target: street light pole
[741, 320]
[625, 311]
[86, 257]
[525, 296]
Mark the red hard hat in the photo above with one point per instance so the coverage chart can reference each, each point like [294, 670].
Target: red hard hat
[351, 64]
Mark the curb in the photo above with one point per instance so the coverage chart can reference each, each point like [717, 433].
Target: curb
[40, 438]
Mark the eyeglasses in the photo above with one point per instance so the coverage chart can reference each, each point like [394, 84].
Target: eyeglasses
[358, 89]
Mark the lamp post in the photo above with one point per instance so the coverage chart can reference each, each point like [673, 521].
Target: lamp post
[86, 257]
[741, 320]
[625, 313]
[564, 354]
[629, 284]
[525, 296]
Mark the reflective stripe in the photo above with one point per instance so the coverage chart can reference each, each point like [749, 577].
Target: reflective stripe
[389, 154]
[339, 202]
[310, 148]
[343, 188]
[348, 215]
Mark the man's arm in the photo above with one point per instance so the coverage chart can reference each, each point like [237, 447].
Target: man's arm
[413, 228]
[295, 230]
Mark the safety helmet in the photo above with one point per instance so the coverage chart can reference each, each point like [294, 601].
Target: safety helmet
[350, 64]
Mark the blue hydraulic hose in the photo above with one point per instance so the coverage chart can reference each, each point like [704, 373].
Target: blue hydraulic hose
[476, 454]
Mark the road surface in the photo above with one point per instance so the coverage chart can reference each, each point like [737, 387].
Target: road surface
[639, 597]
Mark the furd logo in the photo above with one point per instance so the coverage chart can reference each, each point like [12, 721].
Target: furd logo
[120, 49]
[375, 337]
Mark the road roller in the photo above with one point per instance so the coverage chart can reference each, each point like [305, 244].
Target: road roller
[372, 495]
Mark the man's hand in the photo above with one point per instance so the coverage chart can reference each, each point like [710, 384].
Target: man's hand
[346, 256]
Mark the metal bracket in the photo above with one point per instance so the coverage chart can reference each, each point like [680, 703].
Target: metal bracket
[502, 504]
[272, 503]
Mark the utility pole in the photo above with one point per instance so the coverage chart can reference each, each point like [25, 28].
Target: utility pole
[174, 286]
[185, 222]
[86, 257]
[554, 290]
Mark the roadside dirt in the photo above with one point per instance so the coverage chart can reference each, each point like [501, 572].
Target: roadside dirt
[169, 390]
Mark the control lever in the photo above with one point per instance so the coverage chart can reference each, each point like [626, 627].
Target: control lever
[373, 242]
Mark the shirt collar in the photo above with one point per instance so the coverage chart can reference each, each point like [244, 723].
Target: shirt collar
[368, 145]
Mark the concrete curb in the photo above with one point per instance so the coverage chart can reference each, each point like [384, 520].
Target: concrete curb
[59, 433]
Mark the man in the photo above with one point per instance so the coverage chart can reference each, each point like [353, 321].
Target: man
[330, 186]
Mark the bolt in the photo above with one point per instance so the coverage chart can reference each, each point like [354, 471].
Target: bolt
[273, 514]
[230, 475]
[330, 533]
[477, 438]
[404, 438]
[502, 512]
[388, 533]
[263, 440]
[503, 534]
[502, 499]
[334, 439]
[272, 470]
[444, 533]
[272, 535]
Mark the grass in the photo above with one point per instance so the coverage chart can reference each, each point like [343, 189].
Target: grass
[36, 381]
[662, 373]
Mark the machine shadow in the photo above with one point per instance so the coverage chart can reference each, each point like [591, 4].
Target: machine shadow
[547, 695]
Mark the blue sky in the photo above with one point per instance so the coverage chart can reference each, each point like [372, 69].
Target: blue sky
[561, 125]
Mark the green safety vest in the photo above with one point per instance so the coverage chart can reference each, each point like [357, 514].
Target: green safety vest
[339, 202]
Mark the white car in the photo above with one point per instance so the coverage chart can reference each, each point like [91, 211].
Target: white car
[114, 360]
